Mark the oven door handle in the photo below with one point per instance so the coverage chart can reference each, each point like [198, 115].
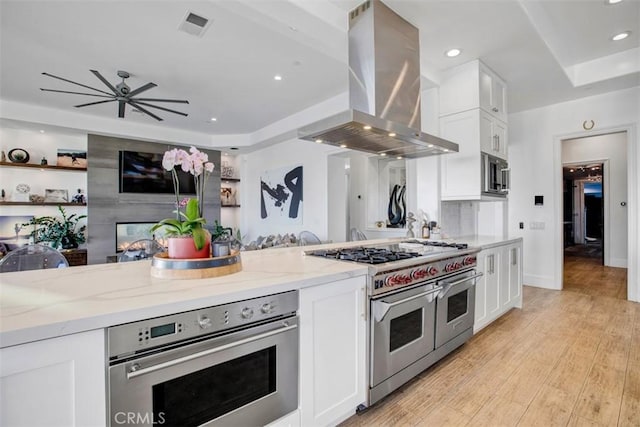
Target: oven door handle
[381, 308]
[449, 285]
[137, 371]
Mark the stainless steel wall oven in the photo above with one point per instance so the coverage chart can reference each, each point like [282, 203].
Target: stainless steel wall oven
[232, 364]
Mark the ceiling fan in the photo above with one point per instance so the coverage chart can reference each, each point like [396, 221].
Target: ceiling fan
[122, 93]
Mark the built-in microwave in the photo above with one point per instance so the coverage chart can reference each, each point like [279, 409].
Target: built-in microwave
[495, 176]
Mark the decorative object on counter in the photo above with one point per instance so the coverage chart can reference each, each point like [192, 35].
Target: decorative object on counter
[281, 195]
[79, 197]
[21, 194]
[71, 158]
[163, 267]
[44, 162]
[58, 233]
[426, 233]
[3, 156]
[18, 155]
[397, 207]
[190, 222]
[410, 220]
[56, 196]
[226, 171]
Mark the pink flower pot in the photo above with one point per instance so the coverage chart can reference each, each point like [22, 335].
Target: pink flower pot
[184, 248]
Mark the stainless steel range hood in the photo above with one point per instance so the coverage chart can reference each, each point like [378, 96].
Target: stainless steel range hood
[384, 90]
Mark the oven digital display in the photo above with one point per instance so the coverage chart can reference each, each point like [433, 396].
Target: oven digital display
[162, 330]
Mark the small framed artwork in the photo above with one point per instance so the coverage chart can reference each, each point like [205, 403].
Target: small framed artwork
[71, 158]
[56, 196]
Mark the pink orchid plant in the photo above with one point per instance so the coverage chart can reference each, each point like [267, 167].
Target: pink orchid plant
[189, 222]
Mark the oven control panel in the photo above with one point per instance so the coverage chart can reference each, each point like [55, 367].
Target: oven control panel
[388, 281]
[133, 337]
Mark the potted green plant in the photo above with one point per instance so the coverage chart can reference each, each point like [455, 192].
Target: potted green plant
[187, 238]
[59, 233]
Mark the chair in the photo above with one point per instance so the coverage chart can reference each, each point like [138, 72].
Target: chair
[32, 257]
[308, 238]
[141, 249]
[357, 235]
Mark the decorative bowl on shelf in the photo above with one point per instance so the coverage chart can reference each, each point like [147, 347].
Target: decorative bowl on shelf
[18, 155]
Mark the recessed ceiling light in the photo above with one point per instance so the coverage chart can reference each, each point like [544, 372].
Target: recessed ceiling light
[392, 134]
[430, 145]
[399, 157]
[367, 127]
[452, 53]
[445, 150]
[277, 77]
[570, 170]
[612, 1]
[41, 131]
[383, 154]
[214, 119]
[319, 141]
[621, 36]
[343, 145]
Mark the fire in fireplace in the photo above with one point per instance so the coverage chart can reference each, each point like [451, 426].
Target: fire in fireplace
[129, 232]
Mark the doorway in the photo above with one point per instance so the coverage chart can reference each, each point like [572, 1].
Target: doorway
[583, 211]
[594, 214]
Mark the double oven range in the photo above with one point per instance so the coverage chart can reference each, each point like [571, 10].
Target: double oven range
[421, 306]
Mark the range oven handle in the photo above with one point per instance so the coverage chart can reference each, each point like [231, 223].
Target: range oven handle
[449, 285]
[136, 371]
[381, 308]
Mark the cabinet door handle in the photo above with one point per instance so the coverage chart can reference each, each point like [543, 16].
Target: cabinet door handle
[514, 254]
[494, 145]
[497, 142]
[365, 302]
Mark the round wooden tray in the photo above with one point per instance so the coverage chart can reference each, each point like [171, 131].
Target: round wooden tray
[164, 267]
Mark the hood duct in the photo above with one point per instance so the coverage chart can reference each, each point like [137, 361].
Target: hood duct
[384, 90]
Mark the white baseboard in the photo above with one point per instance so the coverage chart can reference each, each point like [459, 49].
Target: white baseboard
[546, 282]
[617, 262]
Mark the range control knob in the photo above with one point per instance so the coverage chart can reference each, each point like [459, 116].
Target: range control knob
[266, 308]
[432, 271]
[247, 313]
[404, 279]
[388, 281]
[418, 274]
[204, 322]
[457, 265]
[449, 267]
[470, 260]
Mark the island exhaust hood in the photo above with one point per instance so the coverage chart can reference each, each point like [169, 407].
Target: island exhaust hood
[384, 90]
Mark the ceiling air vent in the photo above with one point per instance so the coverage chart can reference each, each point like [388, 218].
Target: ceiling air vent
[193, 24]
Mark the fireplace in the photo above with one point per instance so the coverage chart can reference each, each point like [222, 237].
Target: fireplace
[129, 232]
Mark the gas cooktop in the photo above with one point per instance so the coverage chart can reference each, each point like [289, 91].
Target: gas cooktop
[380, 254]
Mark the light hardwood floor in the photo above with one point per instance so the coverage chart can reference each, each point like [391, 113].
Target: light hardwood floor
[568, 358]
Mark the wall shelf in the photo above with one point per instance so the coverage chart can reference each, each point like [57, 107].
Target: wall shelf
[48, 167]
[41, 204]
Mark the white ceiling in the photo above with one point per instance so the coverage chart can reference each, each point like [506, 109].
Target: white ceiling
[547, 51]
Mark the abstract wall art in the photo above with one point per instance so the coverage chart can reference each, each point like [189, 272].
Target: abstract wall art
[281, 195]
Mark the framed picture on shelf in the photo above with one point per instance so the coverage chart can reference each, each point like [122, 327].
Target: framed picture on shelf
[56, 196]
[71, 158]
[227, 196]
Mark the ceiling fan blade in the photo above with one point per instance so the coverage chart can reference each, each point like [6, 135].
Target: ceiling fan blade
[141, 89]
[77, 93]
[105, 81]
[180, 101]
[94, 103]
[75, 83]
[135, 104]
[121, 109]
[137, 101]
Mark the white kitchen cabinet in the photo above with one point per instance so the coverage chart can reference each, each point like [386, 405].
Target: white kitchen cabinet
[54, 382]
[332, 351]
[493, 135]
[473, 85]
[500, 288]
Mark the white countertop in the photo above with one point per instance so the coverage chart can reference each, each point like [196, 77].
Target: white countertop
[41, 304]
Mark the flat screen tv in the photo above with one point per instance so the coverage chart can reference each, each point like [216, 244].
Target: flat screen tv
[143, 173]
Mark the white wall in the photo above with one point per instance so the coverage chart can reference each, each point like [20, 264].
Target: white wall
[313, 158]
[595, 149]
[535, 161]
